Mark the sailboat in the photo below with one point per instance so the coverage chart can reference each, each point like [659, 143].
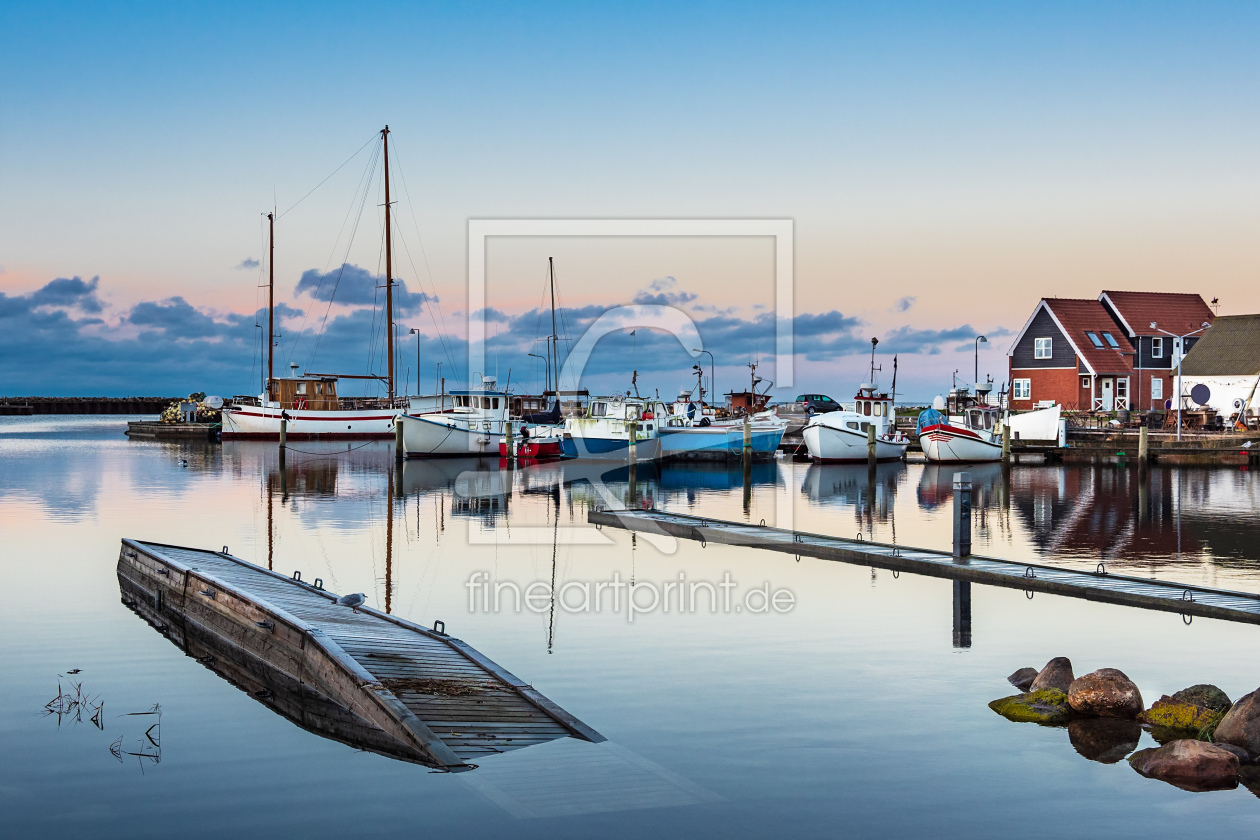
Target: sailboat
[541, 436]
[308, 403]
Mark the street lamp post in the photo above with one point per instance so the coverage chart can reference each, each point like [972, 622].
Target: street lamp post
[979, 340]
[416, 333]
[546, 362]
[1180, 349]
[712, 369]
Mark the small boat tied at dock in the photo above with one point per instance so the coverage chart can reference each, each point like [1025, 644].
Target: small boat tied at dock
[614, 424]
[843, 436]
[961, 427]
[472, 425]
[358, 675]
[838, 436]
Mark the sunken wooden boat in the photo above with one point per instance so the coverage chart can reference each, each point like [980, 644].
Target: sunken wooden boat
[367, 679]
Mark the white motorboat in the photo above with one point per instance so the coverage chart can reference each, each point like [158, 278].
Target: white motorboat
[843, 436]
[471, 426]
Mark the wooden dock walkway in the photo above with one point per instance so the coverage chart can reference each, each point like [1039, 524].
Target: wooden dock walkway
[1100, 585]
[385, 684]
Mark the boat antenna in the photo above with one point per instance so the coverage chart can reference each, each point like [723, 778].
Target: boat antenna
[389, 270]
[271, 301]
[553, 350]
[894, 382]
[874, 341]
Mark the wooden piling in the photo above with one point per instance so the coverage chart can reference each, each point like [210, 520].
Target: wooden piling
[400, 451]
[871, 458]
[1143, 448]
[1006, 444]
[747, 451]
[284, 437]
[507, 438]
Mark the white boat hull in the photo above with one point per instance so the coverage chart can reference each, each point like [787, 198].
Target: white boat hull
[304, 424]
[951, 444]
[449, 436]
[839, 446]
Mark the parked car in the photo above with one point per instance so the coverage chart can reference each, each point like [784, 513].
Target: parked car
[817, 403]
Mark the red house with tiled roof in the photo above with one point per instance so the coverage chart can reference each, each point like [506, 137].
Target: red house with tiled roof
[1102, 355]
[1154, 323]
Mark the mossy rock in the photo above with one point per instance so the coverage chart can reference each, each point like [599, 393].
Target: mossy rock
[1205, 696]
[1168, 713]
[1048, 707]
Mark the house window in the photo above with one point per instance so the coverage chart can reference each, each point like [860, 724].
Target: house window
[1084, 381]
[1093, 337]
[1157, 348]
[1122, 389]
[1111, 341]
[1043, 348]
[1023, 388]
[1157, 388]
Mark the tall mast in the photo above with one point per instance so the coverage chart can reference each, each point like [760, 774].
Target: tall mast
[554, 350]
[389, 275]
[271, 301]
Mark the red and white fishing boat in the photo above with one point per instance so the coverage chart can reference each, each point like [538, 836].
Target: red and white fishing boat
[961, 427]
[541, 445]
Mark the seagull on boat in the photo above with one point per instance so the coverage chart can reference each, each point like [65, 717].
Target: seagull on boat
[1247, 445]
[352, 601]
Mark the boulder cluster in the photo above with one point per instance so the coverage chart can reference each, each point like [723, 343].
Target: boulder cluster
[1206, 742]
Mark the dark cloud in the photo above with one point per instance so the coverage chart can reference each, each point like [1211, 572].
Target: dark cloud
[355, 286]
[70, 292]
[51, 343]
[903, 304]
[248, 262]
[661, 292]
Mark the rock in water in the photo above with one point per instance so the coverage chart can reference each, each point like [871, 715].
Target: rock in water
[1241, 724]
[1106, 692]
[1176, 716]
[1204, 696]
[1023, 678]
[1105, 740]
[1049, 706]
[1056, 674]
[1188, 764]
[1243, 757]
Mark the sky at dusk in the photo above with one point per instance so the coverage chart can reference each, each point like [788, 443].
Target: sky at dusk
[943, 165]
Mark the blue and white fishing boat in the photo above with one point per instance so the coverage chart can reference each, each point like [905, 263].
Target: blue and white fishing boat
[604, 432]
[471, 426]
[691, 435]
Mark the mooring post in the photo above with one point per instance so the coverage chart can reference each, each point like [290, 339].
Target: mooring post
[507, 439]
[399, 451]
[284, 437]
[870, 446]
[1006, 444]
[962, 514]
[1143, 448]
[962, 613]
[633, 478]
[747, 451]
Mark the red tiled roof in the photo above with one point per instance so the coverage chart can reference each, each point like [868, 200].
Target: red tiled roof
[1177, 312]
[1078, 316]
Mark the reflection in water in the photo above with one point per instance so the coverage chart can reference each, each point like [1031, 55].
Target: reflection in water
[871, 493]
[1105, 740]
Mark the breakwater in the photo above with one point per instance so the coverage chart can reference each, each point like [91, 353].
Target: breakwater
[84, 405]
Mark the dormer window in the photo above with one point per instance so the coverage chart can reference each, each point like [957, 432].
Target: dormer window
[1043, 348]
[1157, 348]
[1111, 341]
[1093, 337]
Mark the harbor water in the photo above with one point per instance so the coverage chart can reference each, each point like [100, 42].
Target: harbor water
[791, 697]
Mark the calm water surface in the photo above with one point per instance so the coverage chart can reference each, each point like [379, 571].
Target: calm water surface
[856, 713]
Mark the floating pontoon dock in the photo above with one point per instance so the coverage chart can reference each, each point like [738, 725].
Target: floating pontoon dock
[1099, 585]
[391, 686]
